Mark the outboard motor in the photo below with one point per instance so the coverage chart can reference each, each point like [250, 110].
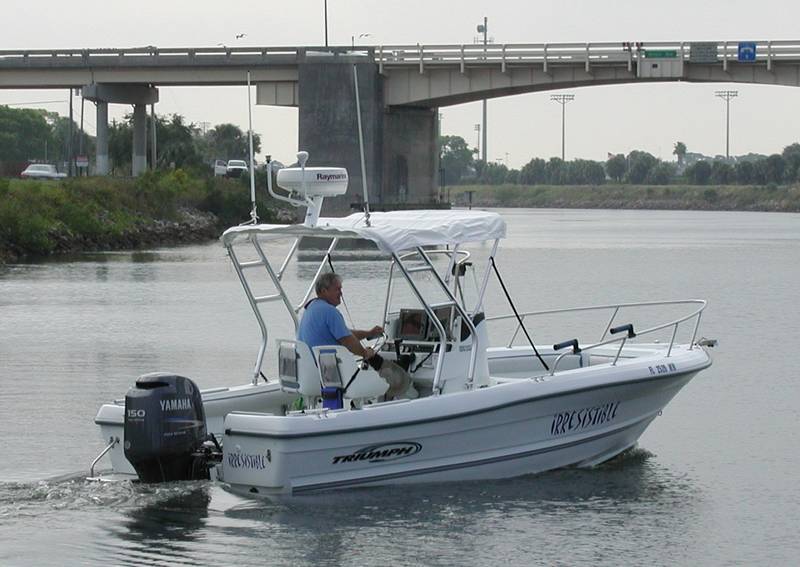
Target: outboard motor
[165, 428]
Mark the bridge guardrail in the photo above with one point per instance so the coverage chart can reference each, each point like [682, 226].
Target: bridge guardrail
[421, 56]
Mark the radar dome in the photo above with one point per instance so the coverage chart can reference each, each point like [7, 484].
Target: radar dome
[319, 181]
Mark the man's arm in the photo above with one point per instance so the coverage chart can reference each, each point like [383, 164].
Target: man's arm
[373, 332]
[353, 345]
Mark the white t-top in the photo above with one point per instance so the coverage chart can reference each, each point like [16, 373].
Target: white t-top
[393, 231]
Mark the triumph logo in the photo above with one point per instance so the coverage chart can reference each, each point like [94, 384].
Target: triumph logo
[381, 453]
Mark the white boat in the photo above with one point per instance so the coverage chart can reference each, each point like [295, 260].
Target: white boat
[480, 409]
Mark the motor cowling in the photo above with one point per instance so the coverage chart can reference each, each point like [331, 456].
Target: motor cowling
[165, 427]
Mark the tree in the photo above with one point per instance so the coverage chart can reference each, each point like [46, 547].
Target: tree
[616, 167]
[555, 171]
[722, 173]
[699, 173]
[512, 177]
[585, 172]
[120, 144]
[744, 172]
[534, 172]
[661, 174]
[680, 152]
[493, 174]
[775, 167]
[639, 166]
[455, 158]
[227, 141]
[24, 134]
[791, 155]
[176, 142]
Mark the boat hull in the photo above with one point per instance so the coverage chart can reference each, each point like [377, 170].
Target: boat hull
[510, 429]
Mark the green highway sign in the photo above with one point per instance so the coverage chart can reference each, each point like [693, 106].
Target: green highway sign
[660, 53]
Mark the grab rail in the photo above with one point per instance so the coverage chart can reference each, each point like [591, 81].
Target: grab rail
[111, 442]
[696, 315]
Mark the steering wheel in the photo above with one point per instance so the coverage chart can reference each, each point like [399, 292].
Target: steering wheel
[377, 343]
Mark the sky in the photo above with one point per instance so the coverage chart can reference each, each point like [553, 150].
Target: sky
[601, 119]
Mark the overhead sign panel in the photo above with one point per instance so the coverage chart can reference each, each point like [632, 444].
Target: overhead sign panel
[747, 51]
[703, 52]
[660, 53]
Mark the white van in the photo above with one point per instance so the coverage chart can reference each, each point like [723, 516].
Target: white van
[220, 167]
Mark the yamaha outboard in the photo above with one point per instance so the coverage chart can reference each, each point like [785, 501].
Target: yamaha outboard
[165, 429]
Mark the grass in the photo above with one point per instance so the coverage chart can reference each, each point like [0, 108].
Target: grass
[612, 196]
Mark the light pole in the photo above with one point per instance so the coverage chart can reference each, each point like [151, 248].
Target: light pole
[361, 35]
[326, 22]
[727, 96]
[484, 29]
[562, 99]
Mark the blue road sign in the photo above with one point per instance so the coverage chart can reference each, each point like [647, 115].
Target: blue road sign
[747, 51]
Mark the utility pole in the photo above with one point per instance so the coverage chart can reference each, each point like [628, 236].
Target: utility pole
[70, 169]
[154, 138]
[562, 99]
[80, 140]
[484, 28]
[326, 23]
[727, 96]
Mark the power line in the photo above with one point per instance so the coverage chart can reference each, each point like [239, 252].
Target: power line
[34, 102]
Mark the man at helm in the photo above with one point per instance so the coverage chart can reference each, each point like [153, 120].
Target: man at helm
[322, 324]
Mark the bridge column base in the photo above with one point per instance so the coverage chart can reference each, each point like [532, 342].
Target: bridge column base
[137, 95]
[410, 156]
[101, 141]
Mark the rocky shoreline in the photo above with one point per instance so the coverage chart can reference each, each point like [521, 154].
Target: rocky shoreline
[191, 226]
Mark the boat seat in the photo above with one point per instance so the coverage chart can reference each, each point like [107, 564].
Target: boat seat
[366, 384]
[297, 368]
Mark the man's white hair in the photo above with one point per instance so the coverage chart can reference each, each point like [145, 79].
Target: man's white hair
[325, 281]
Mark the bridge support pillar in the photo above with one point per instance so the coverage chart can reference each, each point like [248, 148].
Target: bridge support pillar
[400, 150]
[410, 156]
[328, 123]
[101, 142]
[137, 95]
[139, 157]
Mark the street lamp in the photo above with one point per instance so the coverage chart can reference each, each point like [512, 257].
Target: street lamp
[361, 35]
[562, 99]
[727, 96]
[326, 22]
[484, 29]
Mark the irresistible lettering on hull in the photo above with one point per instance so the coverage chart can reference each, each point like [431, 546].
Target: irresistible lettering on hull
[577, 420]
[381, 453]
[248, 461]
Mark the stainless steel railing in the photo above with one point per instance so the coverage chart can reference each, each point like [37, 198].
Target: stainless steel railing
[695, 316]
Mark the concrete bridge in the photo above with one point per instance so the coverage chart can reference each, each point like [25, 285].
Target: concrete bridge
[401, 88]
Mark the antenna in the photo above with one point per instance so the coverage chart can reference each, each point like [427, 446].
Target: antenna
[253, 213]
[361, 147]
[302, 158]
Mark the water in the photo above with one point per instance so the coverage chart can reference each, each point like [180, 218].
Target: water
[713, 480]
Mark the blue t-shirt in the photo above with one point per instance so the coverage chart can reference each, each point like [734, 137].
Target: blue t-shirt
[322, 325]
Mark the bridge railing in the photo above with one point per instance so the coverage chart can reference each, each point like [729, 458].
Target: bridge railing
[503, 55]
[150, 53]
[419, 56]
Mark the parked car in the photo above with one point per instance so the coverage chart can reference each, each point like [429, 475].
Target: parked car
[236, 168]
[41, 171]
[220, 167]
